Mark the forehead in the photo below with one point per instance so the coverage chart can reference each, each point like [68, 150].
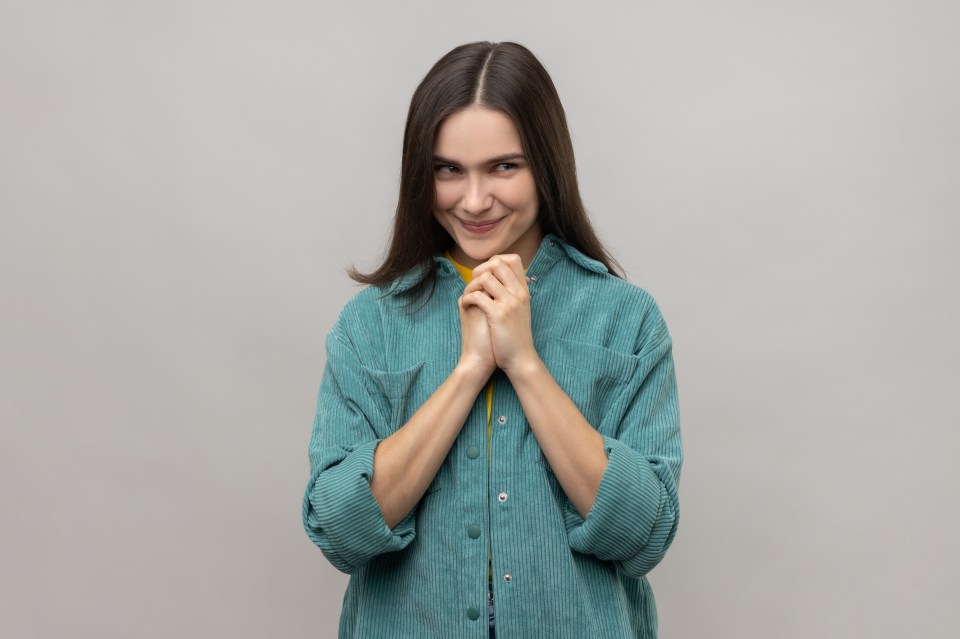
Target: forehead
[477, 134]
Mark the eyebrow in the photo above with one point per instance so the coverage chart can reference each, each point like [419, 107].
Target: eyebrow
[497, 160]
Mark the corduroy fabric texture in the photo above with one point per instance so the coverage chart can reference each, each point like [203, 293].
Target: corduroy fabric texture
[606, 343]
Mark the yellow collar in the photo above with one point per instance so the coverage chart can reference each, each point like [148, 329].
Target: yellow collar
[465, 271]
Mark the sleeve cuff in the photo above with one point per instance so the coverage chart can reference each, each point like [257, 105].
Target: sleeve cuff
[627, 505]
[347, 522]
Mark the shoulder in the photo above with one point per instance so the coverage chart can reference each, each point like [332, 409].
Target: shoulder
[368, 300]
[383, 323]
[635, 309]
[631, 296]
[590, 287]
[378, 301]
[367, 309]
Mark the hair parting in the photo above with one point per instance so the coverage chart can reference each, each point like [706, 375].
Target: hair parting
[481, 81]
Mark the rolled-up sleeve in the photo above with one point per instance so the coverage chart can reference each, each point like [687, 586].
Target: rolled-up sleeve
[340, 514]
[635, 514]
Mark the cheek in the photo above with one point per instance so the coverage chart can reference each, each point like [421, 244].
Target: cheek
[520, 195]
[445, 195]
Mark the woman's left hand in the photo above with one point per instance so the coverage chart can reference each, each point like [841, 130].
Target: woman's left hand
[499, 289]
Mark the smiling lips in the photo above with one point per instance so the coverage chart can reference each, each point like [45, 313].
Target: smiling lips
[480, 229]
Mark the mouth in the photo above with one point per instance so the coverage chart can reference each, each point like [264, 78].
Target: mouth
[480, 228]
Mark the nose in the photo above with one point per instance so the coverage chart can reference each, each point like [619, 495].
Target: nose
[477, 197]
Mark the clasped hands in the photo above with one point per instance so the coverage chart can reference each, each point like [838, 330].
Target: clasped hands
[495, 317]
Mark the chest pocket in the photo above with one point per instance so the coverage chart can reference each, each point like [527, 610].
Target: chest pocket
[396, 394]
[593, 376]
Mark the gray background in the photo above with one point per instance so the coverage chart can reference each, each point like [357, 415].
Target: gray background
[183, 183]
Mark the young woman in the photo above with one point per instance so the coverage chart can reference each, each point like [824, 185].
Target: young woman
[496, 449]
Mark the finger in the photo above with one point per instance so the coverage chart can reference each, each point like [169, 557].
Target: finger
[492, 286]
[512, 260]
[488, 267]
[516, 264]
[478, 299]
[505, 270]
[476, 284]
[480, 269]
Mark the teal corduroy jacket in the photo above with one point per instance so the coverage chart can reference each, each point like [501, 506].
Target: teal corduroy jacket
[555, 574]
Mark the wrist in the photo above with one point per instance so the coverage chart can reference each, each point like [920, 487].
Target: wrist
[524, 368]
[472, 372]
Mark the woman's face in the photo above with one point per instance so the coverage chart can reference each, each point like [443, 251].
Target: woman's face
[486, 198]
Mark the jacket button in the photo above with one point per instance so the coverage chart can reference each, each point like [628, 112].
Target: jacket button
[473, 451]
[472, 613]
[473, 531]
[502, 419]
[502, 497]
[507, 577]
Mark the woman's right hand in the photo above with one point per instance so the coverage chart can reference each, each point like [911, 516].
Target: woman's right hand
[477, 347]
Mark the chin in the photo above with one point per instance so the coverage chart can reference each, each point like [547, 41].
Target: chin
[482, 254]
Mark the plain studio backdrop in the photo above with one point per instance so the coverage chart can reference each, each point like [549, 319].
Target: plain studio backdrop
[182, 185]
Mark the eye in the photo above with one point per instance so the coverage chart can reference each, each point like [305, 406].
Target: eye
[446, 168]
[505, 166]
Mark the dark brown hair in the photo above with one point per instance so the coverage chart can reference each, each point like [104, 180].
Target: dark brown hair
[507, 77]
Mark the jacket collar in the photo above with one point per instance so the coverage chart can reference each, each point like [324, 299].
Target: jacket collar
[552, 249]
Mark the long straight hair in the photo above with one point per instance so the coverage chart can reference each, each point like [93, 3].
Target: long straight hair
[506, 77]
